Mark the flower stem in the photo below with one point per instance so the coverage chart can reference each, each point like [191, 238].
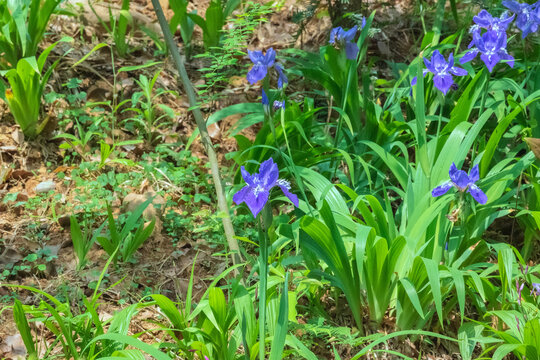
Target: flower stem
[350, 68]
[265, 221]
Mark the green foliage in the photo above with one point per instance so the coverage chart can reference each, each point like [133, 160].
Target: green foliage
[181, 18]
[121, 241]
[145, 105]
[82, 241]
[26, 85]
[23, 24]
[215, 17]
[223, 59]
[118, 27]
[80, 336]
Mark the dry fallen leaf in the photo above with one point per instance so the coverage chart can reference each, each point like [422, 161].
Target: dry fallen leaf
[534, 144]
[13, 347]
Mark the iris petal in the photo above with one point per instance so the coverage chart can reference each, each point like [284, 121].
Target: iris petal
[442, 189]
[255, 56]
[458, 71]
[443, 82]
[468, 56]
[474, 175]
[246, 176]
[268, 173]
[453, 170]
[240, 195]
[490, 60]
[269, 57]
[349, 35]
[477, 194]
[461, 180]
[257, 72]
[256, 202]
[351, 50]
[291, 196]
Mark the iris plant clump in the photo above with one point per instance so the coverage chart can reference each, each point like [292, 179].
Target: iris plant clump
[257, 190]
[528, 16]
[442, 71]
[492, 43]
[462, 182]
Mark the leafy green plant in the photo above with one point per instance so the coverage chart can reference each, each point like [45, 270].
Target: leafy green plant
[181, 18]
[121, 241]
[79, 143]
[118, 27]
[26, 85]
[23, 25]
[80, 336]
[82, 241]
[108, 153]
[148, 119]
[215, 17]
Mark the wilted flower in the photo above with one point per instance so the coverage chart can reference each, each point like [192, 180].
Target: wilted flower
[463, 182]
[528, 16]
[492, 46]
[345, 39]
[261, 64]
[442, 71]
[535, 289]
[257, 190]
[484, 20]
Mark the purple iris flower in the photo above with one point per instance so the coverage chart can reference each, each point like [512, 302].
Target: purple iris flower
[528, 16]
[492, 47]
[341, 38]
[257, 190]
[442, 71]
[282, 78]
[279, 105]
[463, 182]
[261, 64]
[535, 289]
[484, 20]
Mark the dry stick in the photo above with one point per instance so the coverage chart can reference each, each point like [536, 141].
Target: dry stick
[205, 138]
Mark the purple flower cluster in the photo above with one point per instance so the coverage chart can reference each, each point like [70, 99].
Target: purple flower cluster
[528, 16]
[491, 45]
[442, 71]
[462, 182]
[257, 190]
[261, 64]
